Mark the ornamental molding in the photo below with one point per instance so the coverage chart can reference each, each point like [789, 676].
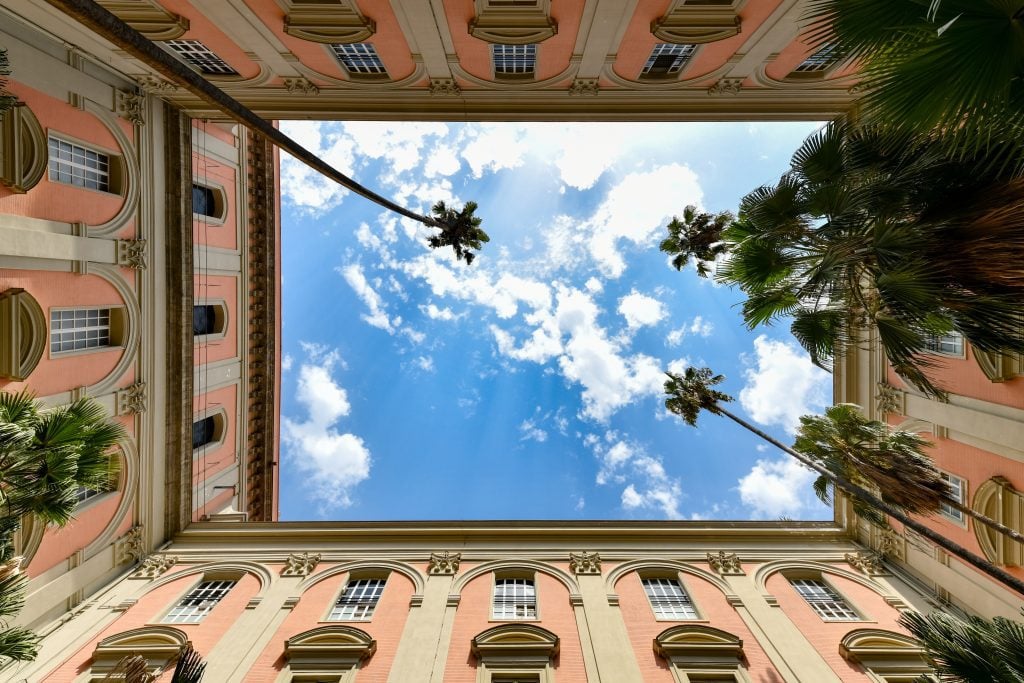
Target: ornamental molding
[333, 21]
[869, 564]
[131, 254]
[697, 24]
[726, 564]
[154, 84]
[148, 18]
[131, 547]
[723, 86]
[888, 543]
[444, 564]
[132, 399]
[584, 86]
[584, 563]
[889, 399]
[301, 85]
[444, 86]
[511, 24]
[128, 106]
[24, 152]
[153, 566]
[300, 565]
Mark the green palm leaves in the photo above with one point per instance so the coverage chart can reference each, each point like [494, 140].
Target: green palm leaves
[460, 230]
[692, 392]
[972, 649]
[697, 236]
[6, 99]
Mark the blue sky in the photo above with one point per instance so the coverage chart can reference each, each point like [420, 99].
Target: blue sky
[528, 385]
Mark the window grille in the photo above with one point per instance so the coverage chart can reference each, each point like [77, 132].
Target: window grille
[822, 60]
[358, 600]
[823, 600]
[203, 201]
[515, 599]
[956, 492]
[85, 493]
[196, 54]
[668, 599]
[202, 432]
[77, 329]
[199, 602]
[515, 60]
[359, 58]
[204, 320]
[951, 344]
[668, 58]
[76, 165]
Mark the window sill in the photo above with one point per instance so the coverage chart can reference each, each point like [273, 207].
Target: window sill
[57, 355]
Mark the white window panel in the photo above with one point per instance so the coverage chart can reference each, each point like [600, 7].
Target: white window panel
[668, 58]
[514, 59]
[958, 492]
[198, 603]
[822, 60]
[359, 58]
[668, 599]
[77, 329]
[515, 599]
[828, 604]
[76, 165]
[951, 344]
[358, 600]
[196, 54]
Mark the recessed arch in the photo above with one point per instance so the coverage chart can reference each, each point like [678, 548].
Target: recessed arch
[129, 164]
[132, 332]
[128, 486]
[410, 572]
[262, 574]
[885, 653]
[765, 571]
[644, 564]
[503, 565]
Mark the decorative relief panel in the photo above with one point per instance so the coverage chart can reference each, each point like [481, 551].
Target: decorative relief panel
[866, 563]
[128, 106]
[726, 564]
[148, 18]
[153, 566]
[132, 399]
[693, 23]
[512, 24]
[300, 85]
[131, 547]
[889, 399]
[444, 86]
[584, 86]
[327, 21]
[585, 563]
[132, 254]
[444, 564]
[300, 565]
[726, 86]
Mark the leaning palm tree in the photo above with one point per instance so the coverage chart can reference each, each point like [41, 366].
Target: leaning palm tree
[189, 668]
[693, 392]
[970, 650]
[912, 245]
[453, 225]
[697, 236]
[924, 65]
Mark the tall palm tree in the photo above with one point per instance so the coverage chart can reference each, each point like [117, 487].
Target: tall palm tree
[459, 230]
[693, 391]
[925, 65]
[188, 668]
[699, 236]
[913, 244]
[970, 650]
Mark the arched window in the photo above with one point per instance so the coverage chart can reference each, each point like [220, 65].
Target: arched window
[328, 653]
[23, 154]
[699, 653]
[515, 652]
[209, 202]
[208, 431]
[22, 334]
[209, 319]
[515, 597]
[887, 657]
[158, 645]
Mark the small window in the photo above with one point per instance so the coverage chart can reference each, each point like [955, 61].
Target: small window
[73, 164]
[85, 493]
[199, 602]
[951, 344]
[667, 59]
[515, 60]
[82, 329]
[828, 604]
[515, 598]
[359, 59]
[958, 492]
[204, 201]
[204, 320]
[203, 432]
[668, 599]
[200, 57]
[819, 62]
[358, 600]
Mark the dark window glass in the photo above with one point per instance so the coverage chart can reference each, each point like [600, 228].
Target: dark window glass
[202, 201]
[204, 320]
[202, 432]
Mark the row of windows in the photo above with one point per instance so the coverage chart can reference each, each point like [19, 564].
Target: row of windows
[82, 329]
[513, 599]
[509, 60]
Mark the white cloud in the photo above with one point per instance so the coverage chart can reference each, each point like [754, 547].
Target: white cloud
[425, 363]
[594, 285]
[302, 186]
[435, 313]
[649, 486]
[698, 326]
[335, 462]
[774, 488]
[640, 310]
[531, 432]
[286, 362]
[495, 147]
[377, 316]
[441, 160]
[782, 384]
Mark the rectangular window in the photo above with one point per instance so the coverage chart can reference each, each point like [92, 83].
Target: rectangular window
[358, 600]
[204, 320]
[668, 599]
[823, 600]
[199, 602]
[667, 59]
[822, 60]
[958, 492]
[203, 201]
[85, 493]
[194, 53]
[78, 329]
[203, 432]
[76, 165]
[951, 344]
[359, 58]
[515, 599]
[514, 60]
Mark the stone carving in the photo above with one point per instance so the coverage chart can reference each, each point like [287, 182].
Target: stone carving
[155, 84]
[132, 254]
[444, 86]
[300, 565]
[129, 106]
[584, 86]
[867, 563]
[726, 564]
[131, 547]
[301, 85]
[887, 542]
[444, 564]
[153, 566]
[585, 563]
[724, 86]
[889, 399]
[132, 399]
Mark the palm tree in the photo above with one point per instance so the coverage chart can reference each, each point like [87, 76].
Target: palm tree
[458, 229]
[853, 236]
[189, 668]
[46, 456]
[970, 650]
[951, 65]
[693, 391]
[697, 236]
[7, 100]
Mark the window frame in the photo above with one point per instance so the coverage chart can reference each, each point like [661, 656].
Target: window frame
[115, 166]
[116, 330]
[352, 578]
[513, 75]
[222, 315]
[232, 579]
[336, 51]
[859, 615]
[220, 199]
[669, 75]
[950, 514]
[168, 46]
[525, 575]
[678, 580]
[815, 74]
[937, 340]
[220, 417]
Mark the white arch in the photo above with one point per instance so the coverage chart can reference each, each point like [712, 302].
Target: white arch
[410, 572]
[498, 565]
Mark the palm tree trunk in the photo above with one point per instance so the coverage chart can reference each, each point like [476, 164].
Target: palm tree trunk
[866, 496]
[122, 35]
[987, 521]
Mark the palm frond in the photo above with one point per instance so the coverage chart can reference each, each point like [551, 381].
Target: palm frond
[459, 229]
[690, 393]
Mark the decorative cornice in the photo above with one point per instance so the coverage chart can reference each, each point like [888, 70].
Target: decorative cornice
[154, 84]
[584, 86]
[444, 86]
[726, 564]
[868, 563]
[131, 547]
[131, 254]
[512, 25]
[300, 565]
[300, 85]
[444, 564]
[148, 18]
[338, 22]
[153, 566]
[584, 563]
[722, 86]
[696, 24]
[128, 106]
